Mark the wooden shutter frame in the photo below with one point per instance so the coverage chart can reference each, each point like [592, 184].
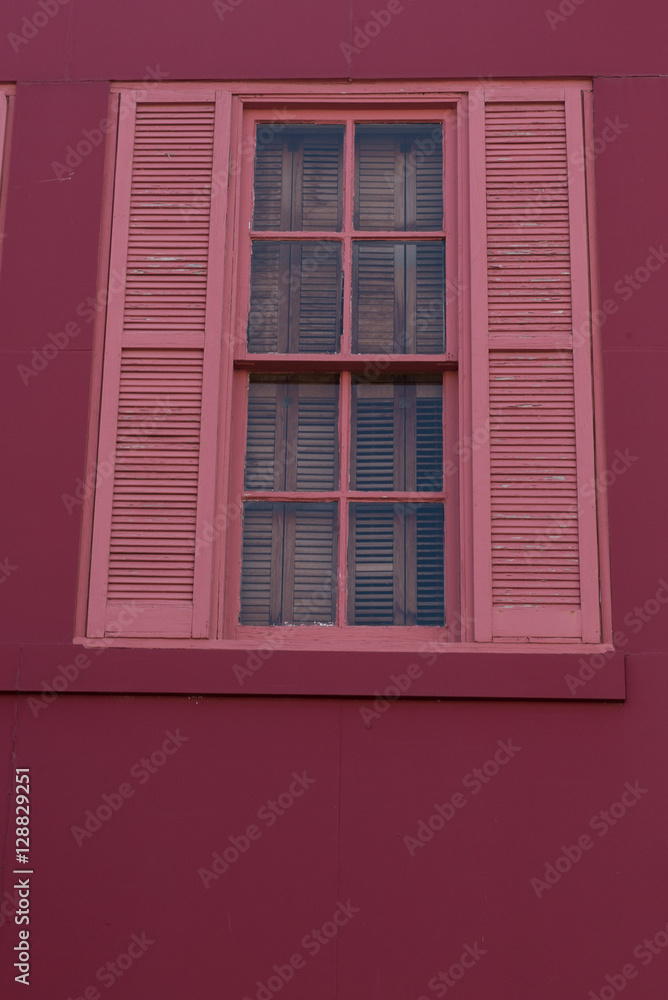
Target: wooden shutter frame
[535, 624]
[6, 114]
[151, 618]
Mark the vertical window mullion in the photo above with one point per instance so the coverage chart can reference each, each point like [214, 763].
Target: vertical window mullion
[349, 179]
[344, 486]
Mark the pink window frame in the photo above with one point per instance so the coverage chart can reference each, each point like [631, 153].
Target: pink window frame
[344, 363]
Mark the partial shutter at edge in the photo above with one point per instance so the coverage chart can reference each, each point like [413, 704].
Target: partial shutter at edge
[4, 102]
[151, 565]
[535, 565]
[4, 113]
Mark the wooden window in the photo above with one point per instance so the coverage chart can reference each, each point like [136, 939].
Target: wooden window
[343, 503]
[348, 384]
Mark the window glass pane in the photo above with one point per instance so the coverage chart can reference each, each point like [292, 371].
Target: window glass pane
[288, 571]
[298, 177]
[399, 177]
[396, 564]
[295, 300]
[398, 297]
[292, 433]
[397, 434]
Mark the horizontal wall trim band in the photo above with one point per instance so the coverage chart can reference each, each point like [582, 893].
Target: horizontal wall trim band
[463, 672]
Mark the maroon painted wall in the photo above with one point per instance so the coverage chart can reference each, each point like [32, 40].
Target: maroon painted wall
[337, 844]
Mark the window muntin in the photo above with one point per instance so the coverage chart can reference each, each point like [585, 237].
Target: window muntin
[368, 307]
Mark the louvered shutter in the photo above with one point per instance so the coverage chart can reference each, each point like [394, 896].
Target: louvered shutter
[152, 556]
[4, 102]
[535, 563]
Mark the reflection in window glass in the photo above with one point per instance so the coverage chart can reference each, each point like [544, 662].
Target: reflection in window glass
[288, 570]
[399, 297]
[399, 177]
[396, 564]
[295, 300]
[292, 433]
[298, 177]
[397, 434]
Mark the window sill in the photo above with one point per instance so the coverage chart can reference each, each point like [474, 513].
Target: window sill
[570, 673]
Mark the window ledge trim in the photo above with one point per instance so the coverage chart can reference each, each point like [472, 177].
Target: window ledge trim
[313, 644]
[557, 674]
